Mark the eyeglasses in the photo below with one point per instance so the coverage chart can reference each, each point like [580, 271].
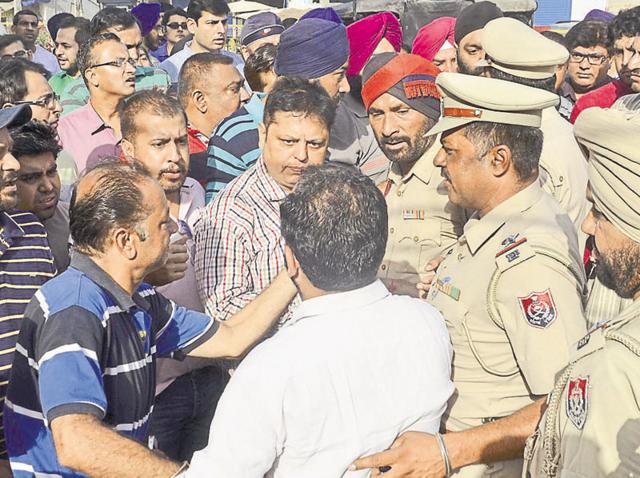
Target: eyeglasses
[119, 63]
[176, 25]
[47, 101]
[17, 54]
[593, 58]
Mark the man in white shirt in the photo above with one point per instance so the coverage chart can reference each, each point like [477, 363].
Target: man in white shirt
[26, 26]
[355, 367]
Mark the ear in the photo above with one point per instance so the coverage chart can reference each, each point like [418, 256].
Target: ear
[192, 25]
[124, 240]
[200, 101]
[293, 266]
[13, 29]
[501, 160]
[91, 76]
[262, 135]
[127, 149]
[244, 51]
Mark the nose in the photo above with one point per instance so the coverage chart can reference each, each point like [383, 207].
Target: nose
[439, 159]
[133, 54]
[634, 61]
[129, 67]
[588, 225]
[46, 185]
[173, 227]
[244, 95]
[389, 127]
[343, 86]
[301, 152]
[9, 163]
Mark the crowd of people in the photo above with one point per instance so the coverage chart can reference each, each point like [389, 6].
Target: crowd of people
[332, 253]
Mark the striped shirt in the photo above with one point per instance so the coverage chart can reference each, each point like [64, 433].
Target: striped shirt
[239, 247]
[25, 264]
[88, 347]
[234, 146]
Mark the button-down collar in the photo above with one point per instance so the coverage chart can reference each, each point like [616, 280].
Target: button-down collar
[272, 189]
[478, 230]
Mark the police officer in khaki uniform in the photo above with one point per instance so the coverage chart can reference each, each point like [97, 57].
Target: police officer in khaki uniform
[403, 103]
[521, 55]
[592, 423]
[510, 290]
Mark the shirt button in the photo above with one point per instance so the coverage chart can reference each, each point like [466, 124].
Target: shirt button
[392, 230]
[416, 238]
[383, 267]
[399, 193]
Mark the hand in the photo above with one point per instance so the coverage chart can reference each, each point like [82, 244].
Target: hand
[425, 284]
[5, 469]
[412, 455]
[175, 267]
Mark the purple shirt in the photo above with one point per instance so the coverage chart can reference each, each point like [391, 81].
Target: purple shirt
[87, 138]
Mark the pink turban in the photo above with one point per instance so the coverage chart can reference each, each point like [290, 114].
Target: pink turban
[364, 36]
[432, 37]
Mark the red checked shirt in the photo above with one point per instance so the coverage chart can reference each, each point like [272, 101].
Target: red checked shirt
[239, 247]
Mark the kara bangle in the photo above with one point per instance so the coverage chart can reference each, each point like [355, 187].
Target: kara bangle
[445, 455]
[184, 467]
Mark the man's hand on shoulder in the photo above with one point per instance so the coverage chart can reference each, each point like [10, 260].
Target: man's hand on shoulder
[175, 267]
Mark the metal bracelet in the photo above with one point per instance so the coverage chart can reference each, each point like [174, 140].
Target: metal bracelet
[445, 455]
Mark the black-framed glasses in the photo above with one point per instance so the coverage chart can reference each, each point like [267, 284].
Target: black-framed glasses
[119, 63]
[593, 58]
[176, 25]
[47, 101]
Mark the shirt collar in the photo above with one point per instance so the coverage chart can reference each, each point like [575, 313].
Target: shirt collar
[95, 122]
[423, 169]
[272, 189]
[255, 106]
[478, 230]
[10, 230]
[93, 271]
[340, 301]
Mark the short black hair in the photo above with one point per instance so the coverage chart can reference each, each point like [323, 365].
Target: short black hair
[547, 84]
[82, 26]
[22, 13]
[112, 17]
[34, 138]
[171, 12]
[589, 34]
[10, 39]
[554, 36]
[13, 81]
[335, 222]
[297, 95]
[625, 24]
[115, 200]
[196, 71]
[524, 142]
[152, 101]
[85, 53]
[218, 8]
[260, 61]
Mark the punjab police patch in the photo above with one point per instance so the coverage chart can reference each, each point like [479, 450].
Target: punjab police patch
[577, 401]
[539, 309]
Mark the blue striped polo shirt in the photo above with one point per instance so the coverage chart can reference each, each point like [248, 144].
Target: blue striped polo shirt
[234, 146]
[26, 263]
[88, 347]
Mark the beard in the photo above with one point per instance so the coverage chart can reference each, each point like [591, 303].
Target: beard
[468, 70]
[172, 186]
[619, 270]
[416, 146]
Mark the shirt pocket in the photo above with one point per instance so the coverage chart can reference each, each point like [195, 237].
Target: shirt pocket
[417, 245]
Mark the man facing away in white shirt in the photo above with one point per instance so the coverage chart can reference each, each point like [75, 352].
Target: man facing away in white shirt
[355, 367]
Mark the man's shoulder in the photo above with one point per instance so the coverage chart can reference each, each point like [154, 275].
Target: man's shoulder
[27, 221]
[236, 123]
[603, 97]
[75, 118]
[237, 197]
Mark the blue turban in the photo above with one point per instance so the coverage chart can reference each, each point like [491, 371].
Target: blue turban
[312, 48]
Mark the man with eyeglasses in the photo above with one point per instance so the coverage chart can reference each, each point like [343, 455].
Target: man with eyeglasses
[11, 46]
[624, 33]
[25, 25]
[207, 23]
[92, 132]
[174, 23]
[588, 43]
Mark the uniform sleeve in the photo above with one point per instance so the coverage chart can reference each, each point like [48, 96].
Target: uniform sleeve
[179, 330]
[68, 353]
[540, 304]
[222, 264]
[248, 431]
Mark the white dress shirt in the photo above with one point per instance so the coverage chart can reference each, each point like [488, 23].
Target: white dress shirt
[350, 373]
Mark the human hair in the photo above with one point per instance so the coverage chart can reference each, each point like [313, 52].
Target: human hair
[554, 36]
[625, 24]
[170, 13]
[218, 8]
[589, 34]
[115, 199]
[33, 139]
[82, 26]
[335, 222]
[112, 17]
[10, 39]
[260, 61]
[13, 78]
[85, 53]
[196, 71]
[547, 84]
[25, 12]
[146, 101]
[524, 142]
[297, 95]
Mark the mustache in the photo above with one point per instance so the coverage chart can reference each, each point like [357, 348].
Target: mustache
[396, 139]
[175, 168]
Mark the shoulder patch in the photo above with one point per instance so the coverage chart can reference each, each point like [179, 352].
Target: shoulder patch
[514, 250]
[539, 309]
[578, 401]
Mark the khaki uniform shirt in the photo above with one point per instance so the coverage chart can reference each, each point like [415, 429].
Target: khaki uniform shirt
[593, 418]
[563, 169]
[511, 293]
[422, 221]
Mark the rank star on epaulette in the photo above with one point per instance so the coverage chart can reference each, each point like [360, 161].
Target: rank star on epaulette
[578, 401]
